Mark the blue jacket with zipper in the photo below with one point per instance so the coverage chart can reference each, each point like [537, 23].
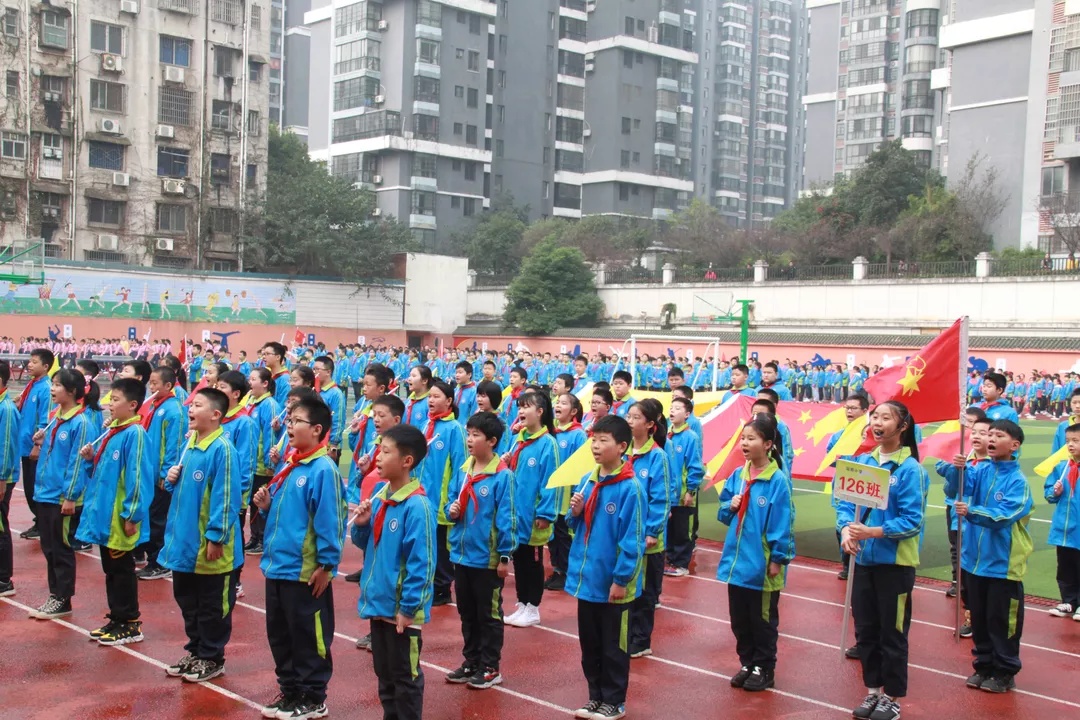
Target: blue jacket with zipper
[442, 465]
[651, 470]
[120, 489]
[764, 534]
[533, 500]
[485, 530]
[62, 473]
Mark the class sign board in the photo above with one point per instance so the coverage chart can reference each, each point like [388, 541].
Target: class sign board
[860, 484]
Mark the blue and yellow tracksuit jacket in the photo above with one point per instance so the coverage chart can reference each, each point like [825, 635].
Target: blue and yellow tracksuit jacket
[788, 453]
[780, 389]
[399, 571]
[262, 412]
[485, 530]
[305, 525]
[651, 469]
[416, 411]
[335, 400]
[570, 439]
[903, 521]
[239, 429]
[441, 466]
[683, 450]
[205, 508]
[941, 468]
[465, 400]
[165, 437]
[1065, 525]
[622, 405]
[533, 500]
[613, 551]
[1000, 410]
[9, 445]
[120, 490]
[996, 539]
[1059, 434]
[281, 387]
[764, 534]
[360, 447]
[34, 413]
[62, 473]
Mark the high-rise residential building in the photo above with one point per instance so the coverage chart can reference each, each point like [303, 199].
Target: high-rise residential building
[135, 132]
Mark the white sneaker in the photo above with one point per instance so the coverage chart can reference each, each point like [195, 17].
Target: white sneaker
[512, 617]
[1062, 610]
[529, 616]
[1076, 616]
[239, 591]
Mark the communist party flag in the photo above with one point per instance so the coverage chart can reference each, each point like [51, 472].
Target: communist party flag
[944, 443]
[929, 383]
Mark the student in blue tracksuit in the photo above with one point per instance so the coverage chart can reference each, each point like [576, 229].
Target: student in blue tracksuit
[90, 371]
[34, 406]
[165, 426]
[331, 394]
[570, 436]
[488, 397]
[995, 503]
[581, 374]
[363, 429]
[996, 408]
[440, 469]
[116, 508]
[855, 407]
[240, 430]
[620, 393]
[305, 525]
[202, 539]
[1072, 419]
[533, 458]
[482, 538]
[62, 476]
[273, 354]
[756, 505]
[465, 392]
[396, 529]
[739, 378]
[1060, 491]
[508, 408]
[607, 517]
[648, 428]
[886, 548]
[262, 408]
[416, 406]
[787, 449]
[684, 454]
[770, 381]
[9, 475]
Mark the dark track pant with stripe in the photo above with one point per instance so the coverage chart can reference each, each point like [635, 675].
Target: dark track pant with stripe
[6, 552]
[881, 605]
[479, 603]
[300, 629]
[603, 630]
[397, 666]
[206, 603]
[997, 622]
[680, 531]
[56, 546]
[755, 622]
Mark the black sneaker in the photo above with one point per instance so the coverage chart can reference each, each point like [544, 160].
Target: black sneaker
[30, 533]
[842, 575]
[852, 653]
[107, 627]
[965, 630]
[864, 710]
[951, 592]
[740, 677]
[52, 608]
[254, 549]
[80, 546]
[976, 681]
[7, 589]
[282, 703]
[154, 572]
[440, 600]
[307, 710]
[123, 633]
[609, 712]
[760, 679]
[555, 582]
[203, 670]
[886, 709]
[483, 679]
[364, 643]
[462, 675]
[353, 577]
[585, 712]
[999, 685]
[181, 666]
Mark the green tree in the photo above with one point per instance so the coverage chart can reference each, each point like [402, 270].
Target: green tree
[554, 289]
[879, 190]
[312, 223]
[494, 242]
[700, 236]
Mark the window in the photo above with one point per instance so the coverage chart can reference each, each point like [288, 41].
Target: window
[254, 71]
[917, 126]
[470, 171]
[355, 92]
[104, 212]
[426, 127]
[624, 192]
[355, 18]
[423, 203]
[474, 98]
[107, 96]
[175, 51]
[13, 146]
[227, 11]
[224, 221]
[253, 124]
[224, 61]
[455, 202]
[357, 55]
[469, 207]
[922, 23]
[474, 24]
[571, 97]
[106, 38]
[474, 61]
[221, 117]
[1053, 181]
[920, 59]
[501, 113]
[459, 91]
[252, 174]
[52, 142]
[174, 106]
[426, 89]
[424, 165]
[498, 148]
[626, 126]
[108, 156]
[429, 13]
[427, 51]
[11, 86]
[172, 218]
[220, 163]
[172, 162]
[470, 135]
[917, 94]
[459, 128]
[223, 266]
[624, 159]
[9, 24]
[54, 30]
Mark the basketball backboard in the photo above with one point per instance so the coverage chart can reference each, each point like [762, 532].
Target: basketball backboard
[23, 263]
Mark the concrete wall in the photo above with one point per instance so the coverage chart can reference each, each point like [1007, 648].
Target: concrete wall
[435, 299]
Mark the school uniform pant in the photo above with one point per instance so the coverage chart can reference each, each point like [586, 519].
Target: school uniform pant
[881, 606]
[643, 609]
[397, 666]
[605, 656]
[529, 574]
[121, 585]
[56, 547]
[258, 522]
[755, 622]
[29, 473]
[159, 516]
[6, 559]
[444, 569]
[479, 603]
[206, 603]
[844, 557]
[1068, 575]
[680, 545]
[997, 622]
[300, 629]
[559, 546]
[952, 539]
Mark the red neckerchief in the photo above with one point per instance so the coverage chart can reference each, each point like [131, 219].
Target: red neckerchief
[60, 420]
[146, 412]
[26, 393]
[293, 459]
[625, 473]
[461, 389]
[619, 403]
[751, 478]
[115, 430]
[357, 451]
[1074, 473]
[429, 433]
[375, 454]
[569, 428]
[469, 495]
[412, 404]
[521, 445]
[230, 417]
[380, 516]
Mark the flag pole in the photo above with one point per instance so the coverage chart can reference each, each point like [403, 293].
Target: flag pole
[847, 592]
[962, 379]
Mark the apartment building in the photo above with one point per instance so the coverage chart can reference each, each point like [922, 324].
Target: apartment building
[133, 132]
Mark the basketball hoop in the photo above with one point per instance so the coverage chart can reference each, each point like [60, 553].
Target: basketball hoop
[23, 263]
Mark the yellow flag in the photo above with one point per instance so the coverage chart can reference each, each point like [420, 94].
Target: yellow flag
[576, 467]
[1047, 466]
[847, 444]
[55, 365]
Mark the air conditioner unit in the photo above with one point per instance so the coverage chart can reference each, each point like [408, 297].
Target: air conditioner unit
[586, 132]
[129, 6]
[53, 212]
[121, 179]
[590, 67]
[51, 153]
[112, 63]
[380, 99]
[590, 6]
[383, 25]
[590, 56]
[376, 212]
[165, 131]
[51, 97]
[174, 74]
[170, 186]
[110, 126]
[164, 244]
[108, 242]
[376, 179]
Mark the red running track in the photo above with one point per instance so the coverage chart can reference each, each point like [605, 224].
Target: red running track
[50, 670]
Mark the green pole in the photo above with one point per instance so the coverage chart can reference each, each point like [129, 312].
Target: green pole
[744, 329]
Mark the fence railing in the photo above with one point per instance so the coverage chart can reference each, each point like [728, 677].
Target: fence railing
[1028, 267]
[699, 274]
[810, 272]
[496, 280]
[632, 275]
[957, 268]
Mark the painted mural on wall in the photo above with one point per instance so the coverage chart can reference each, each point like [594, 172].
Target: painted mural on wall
[108, 294]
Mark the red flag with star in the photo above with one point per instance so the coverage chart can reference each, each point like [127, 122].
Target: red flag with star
[927, 384]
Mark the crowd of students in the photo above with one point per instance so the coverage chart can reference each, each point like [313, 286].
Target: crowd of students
[448, 487]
